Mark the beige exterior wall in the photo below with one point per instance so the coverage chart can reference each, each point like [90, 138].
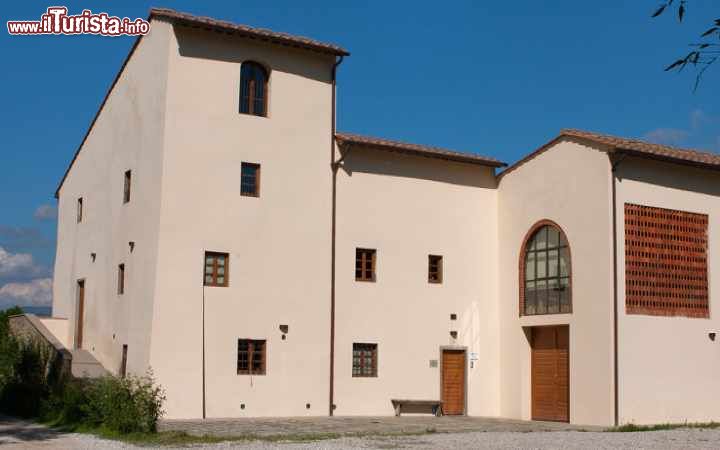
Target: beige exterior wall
[126, 136]
[279, 244]
[408, 207]
[570, 185]
[668, 366]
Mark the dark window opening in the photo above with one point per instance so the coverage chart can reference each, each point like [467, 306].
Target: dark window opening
[251, 357]
[123, 362]
[364, 360]
[79, 210]
[253, 89]
[435, 269]
[365, 264]
[126, 189]
[250, 179]
[121, 279]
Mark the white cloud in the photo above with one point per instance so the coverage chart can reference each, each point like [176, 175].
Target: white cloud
[14, 263]
[46, 212]
[667, 136]
[37, 292]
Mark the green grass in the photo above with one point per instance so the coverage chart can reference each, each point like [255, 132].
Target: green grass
[631, 427]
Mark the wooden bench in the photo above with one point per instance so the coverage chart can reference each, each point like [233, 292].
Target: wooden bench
[434, 407]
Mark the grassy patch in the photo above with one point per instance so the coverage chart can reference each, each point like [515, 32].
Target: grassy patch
[631, 427]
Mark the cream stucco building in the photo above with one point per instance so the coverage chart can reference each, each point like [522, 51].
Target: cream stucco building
[215, 227]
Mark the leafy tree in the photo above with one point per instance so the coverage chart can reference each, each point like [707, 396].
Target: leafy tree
[703, 53]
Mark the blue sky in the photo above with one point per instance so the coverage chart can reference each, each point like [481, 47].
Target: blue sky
[497, 78]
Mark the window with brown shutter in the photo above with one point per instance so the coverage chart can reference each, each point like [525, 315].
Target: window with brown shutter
[666, 271]
[217, 266]
[435, 269]
[121, 279]
[365, 264]
[251, 357]
[126, 189]
[364, 360]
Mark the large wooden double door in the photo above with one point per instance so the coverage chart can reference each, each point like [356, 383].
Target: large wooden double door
[550, 373]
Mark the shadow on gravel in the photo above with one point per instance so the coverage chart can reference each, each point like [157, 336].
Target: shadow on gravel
[13, 431]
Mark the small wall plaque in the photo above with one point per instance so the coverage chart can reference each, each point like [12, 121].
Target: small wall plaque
[433, 363]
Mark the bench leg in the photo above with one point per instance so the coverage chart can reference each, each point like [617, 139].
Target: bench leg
[437, 410]
[397, 410]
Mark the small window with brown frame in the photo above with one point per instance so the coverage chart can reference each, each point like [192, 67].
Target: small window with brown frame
[121, 279]
[217, 266]
[251, 357]
[365, 262]
[79, 209]
[364, 360]
[435, 269]
[126, 189]
[250, 179]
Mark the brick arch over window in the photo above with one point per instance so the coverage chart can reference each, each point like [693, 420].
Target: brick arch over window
[545, 270]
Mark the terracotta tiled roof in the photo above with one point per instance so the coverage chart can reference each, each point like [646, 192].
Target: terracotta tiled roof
[415, 149]
[250, 32]
[634, 147]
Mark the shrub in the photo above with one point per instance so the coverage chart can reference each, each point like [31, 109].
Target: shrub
[124, 405]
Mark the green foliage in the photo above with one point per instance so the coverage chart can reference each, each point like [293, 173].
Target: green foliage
[124, 405]
[631, 427]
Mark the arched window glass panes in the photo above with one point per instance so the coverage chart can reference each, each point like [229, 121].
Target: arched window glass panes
[253, 89]
[547, 273]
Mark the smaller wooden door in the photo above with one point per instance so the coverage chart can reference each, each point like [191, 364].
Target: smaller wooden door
[550, 378]
[80, 313]
[453, 382]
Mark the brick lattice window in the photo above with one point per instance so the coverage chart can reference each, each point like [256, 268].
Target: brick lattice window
[251, 357]
[217, 267]
[365, 264]
[665, 262]
[364, 360]
[435, 269]
[250, 179]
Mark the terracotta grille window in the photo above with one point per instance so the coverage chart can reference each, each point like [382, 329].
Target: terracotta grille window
[435, 269]
[250, 179]
[216, 269]
[365, 264]
[251, 357]
[364, 360]
[79, 210]
[121, 279]
[665, 262]
[126, 189]
[253, 89]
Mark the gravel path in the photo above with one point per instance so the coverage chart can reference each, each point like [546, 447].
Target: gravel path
[16, 434]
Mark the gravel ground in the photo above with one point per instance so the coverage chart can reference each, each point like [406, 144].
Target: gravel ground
[675, 439]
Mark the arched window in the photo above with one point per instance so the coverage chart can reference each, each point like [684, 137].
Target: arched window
[253, 89]
[545, 286]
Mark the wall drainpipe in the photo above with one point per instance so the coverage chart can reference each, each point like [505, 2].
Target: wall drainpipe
[334, 165]
[615, 162]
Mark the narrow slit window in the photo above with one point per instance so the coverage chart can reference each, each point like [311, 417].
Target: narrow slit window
[364, 360]
[123, 362]
[250, 179]
[435, 269]
[365, 261]
[126, 189]
[251, 357]
[216, 269]
[79, 209]
[121, 279]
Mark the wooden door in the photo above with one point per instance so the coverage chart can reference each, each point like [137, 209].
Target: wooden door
[453, 382]
[550, 377]
[80, 313]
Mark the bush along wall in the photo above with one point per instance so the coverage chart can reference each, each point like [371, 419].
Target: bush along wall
[28, 388]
